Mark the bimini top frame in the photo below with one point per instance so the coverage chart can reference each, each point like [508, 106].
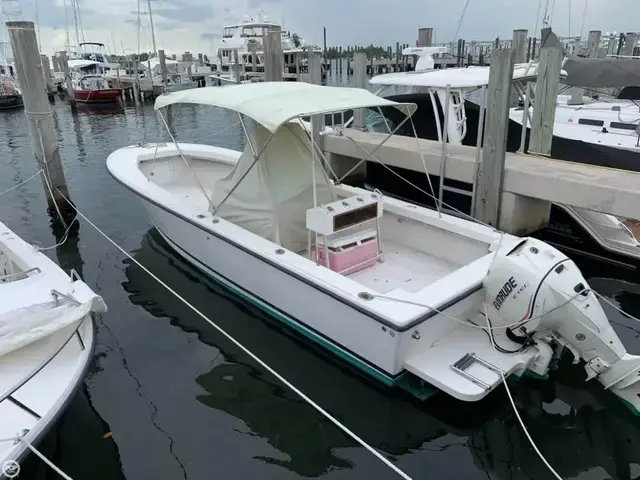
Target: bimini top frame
[273, 104]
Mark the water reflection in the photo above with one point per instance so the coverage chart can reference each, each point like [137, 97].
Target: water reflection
[579, 427]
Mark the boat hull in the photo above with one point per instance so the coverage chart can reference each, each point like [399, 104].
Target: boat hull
[110, 95]
[41, 427]
[364, 343]
[10, 102]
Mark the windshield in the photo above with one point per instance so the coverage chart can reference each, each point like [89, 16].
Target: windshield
[375, 122]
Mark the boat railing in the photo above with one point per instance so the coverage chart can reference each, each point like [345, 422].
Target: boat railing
[9, 276]
[8, 395]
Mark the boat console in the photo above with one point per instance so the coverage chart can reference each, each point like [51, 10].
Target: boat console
[348, 243]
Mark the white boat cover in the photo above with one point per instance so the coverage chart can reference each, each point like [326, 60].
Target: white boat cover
[274, 103]
[26, 325]
[467, 77]
[272, 200]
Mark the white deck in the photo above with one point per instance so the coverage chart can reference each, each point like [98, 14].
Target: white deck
[435, 363]
[403, 268]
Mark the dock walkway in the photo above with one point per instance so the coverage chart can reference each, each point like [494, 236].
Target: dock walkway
[600, 189]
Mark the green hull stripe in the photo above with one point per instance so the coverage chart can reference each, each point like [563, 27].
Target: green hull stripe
[308, 334]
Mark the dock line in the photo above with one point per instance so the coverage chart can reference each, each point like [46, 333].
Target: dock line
[20, 438]
[264, 365]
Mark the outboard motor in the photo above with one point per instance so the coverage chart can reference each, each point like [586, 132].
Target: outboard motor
[543, 296]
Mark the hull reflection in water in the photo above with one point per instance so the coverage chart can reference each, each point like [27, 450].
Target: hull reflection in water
[579, 427]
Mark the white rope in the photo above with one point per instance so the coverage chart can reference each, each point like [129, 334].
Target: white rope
[424, 165]
[628, 315]
[257, 359]
[490, 328]
[21, 183]
[515, 408]
[473, 325]
[504, 380]
[45, 173]
[46, 460]
[64, 238]
[20, 438]
[464, 215]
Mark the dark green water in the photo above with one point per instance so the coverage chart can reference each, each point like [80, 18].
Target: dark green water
[182, 402]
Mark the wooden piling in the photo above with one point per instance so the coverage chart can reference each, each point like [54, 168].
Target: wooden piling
[360, 74]
[629, 44]
[533, 48]
[546, 93]
[490, 179]
[519, 45]
[593, 44]
[236, 66]
[24, 44]
[46, 71]
[315, 77]
[56, 64]
[272, 42]
[163, 68]
[64, 64]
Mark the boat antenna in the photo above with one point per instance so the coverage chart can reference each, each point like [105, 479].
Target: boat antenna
[584, 16]
[464, 11]
[153, 33]
[535, 29]
[37, 25]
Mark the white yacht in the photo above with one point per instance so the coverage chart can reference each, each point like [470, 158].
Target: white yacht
[595, 235]
[413, 297]
[599, 125]
[246, 37]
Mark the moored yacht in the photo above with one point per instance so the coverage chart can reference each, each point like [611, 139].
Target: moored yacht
[10, 93]
[413, 297]
[577, 231]
[88, 75]
[47, 338]
[246, 38]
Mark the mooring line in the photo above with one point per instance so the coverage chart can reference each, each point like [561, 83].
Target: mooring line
[257, 359]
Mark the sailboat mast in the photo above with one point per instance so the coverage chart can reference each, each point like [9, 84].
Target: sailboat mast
[66, 24]
[80, 20]
[75, 20]
[153, 33]
[138, 24]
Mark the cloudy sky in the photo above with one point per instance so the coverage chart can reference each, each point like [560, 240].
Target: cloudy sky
[196, 25]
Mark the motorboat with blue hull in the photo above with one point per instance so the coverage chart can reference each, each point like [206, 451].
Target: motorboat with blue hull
[47, 337]
[391, 287]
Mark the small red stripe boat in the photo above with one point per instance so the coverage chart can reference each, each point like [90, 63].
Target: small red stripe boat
[108, 95]
[94, 89]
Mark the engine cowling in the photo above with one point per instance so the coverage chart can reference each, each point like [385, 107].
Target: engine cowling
[542, 293]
